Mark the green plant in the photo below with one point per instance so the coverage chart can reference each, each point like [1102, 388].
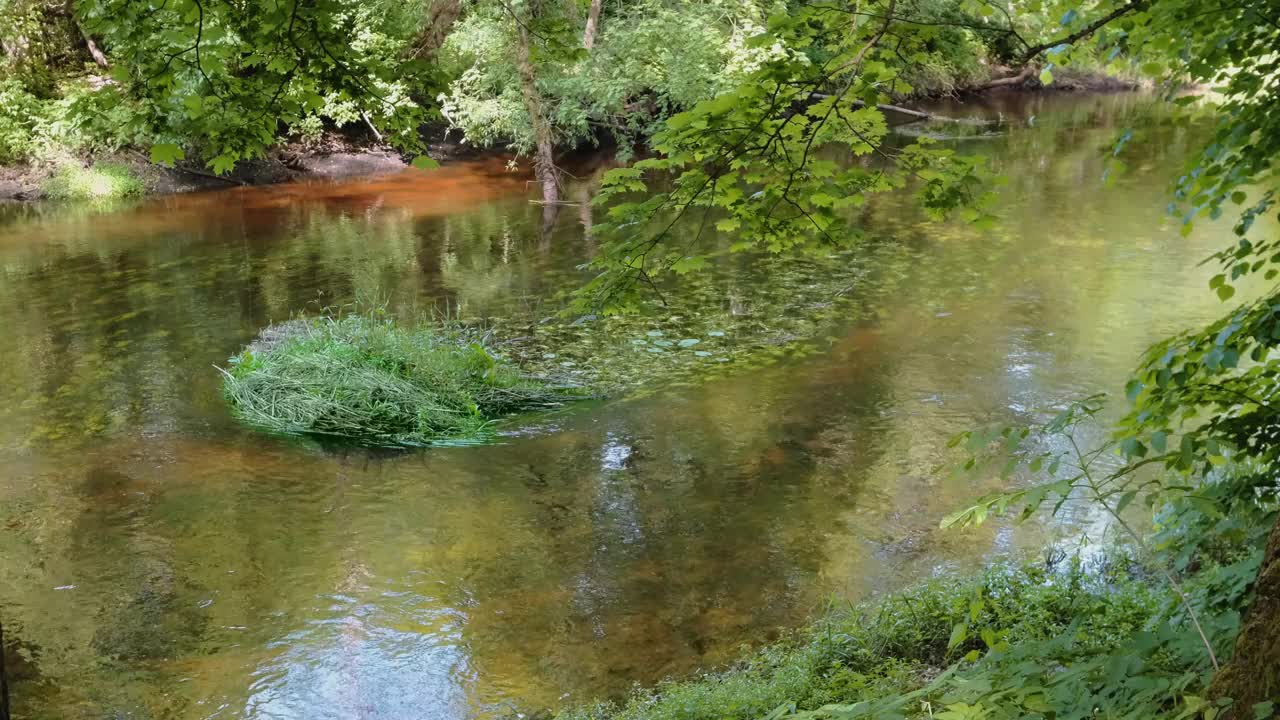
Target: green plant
[22, 116]
[1101, 634]
[99, 181]
[221, 79]
[652, 59]
[364, 378]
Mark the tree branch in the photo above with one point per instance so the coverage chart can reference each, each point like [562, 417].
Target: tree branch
[1084, 32]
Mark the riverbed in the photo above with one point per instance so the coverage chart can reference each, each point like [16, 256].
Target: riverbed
[157, 560]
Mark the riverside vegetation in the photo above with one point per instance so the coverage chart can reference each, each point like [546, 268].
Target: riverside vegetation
[221, 88]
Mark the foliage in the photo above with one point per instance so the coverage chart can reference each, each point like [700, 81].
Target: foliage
[365, 379]
[220, 78]
[99, 181]
[21, 115]
[652, 59]
[37, 37]
[783, 159]
[226, 81]
[1213, 388]
[1098, 635]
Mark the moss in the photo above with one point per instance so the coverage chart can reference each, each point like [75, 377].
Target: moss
[365, 379]
[100, 181]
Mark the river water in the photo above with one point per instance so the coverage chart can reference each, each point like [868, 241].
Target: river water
[159, 561]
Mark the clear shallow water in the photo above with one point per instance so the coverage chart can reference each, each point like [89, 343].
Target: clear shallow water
[158, 561]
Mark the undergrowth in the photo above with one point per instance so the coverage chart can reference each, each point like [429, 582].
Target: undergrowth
[100, 181]
[366, 379]
[1101, 637]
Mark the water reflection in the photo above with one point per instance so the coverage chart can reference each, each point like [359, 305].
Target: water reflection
[157, 561]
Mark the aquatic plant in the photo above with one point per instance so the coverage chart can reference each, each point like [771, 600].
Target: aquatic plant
[367, 379]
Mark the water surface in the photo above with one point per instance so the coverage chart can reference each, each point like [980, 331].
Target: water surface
[159, 561]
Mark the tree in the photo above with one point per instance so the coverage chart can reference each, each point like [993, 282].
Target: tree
[593, 21]
[222, 77]
[441, 15]
[544, 163]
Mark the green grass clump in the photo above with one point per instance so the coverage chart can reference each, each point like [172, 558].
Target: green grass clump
[894, 646]
[373, 382]
[100, 181]
[1065, 638]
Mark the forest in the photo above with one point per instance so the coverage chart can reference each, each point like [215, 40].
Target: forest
[757, 213]
[212, 85]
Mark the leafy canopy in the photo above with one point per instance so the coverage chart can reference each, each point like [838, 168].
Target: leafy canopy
[224, 76]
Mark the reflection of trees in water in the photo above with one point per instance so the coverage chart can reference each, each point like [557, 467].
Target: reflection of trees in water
[118, 337]
[658, 544]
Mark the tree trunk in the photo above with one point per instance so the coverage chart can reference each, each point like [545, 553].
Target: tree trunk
[15, 48]
[544, 165]
[593, 21]
[98, 56]
[440, 19]
[1253, 675]
[1028, 72]
[4, 679]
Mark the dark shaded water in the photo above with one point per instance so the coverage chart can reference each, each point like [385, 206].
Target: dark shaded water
[158, 561]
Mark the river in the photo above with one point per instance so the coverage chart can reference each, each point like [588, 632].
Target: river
[157, 560]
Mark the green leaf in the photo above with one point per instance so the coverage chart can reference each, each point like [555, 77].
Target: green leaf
[1238, 197]
[194, 105]
[1131, 447]
[1159, 440]
[1125, 499]
[166, 154]
[422, 162]
[1046, 76]
[989, 637]
[1225, 292]
[688, 264]
[959, 634]
[222, 164]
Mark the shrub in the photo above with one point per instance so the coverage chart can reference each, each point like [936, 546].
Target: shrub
[21, 115]
[365, 379]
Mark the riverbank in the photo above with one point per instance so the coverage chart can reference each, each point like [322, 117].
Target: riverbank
[338, 158]
[1090, 633]
[349, 155]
